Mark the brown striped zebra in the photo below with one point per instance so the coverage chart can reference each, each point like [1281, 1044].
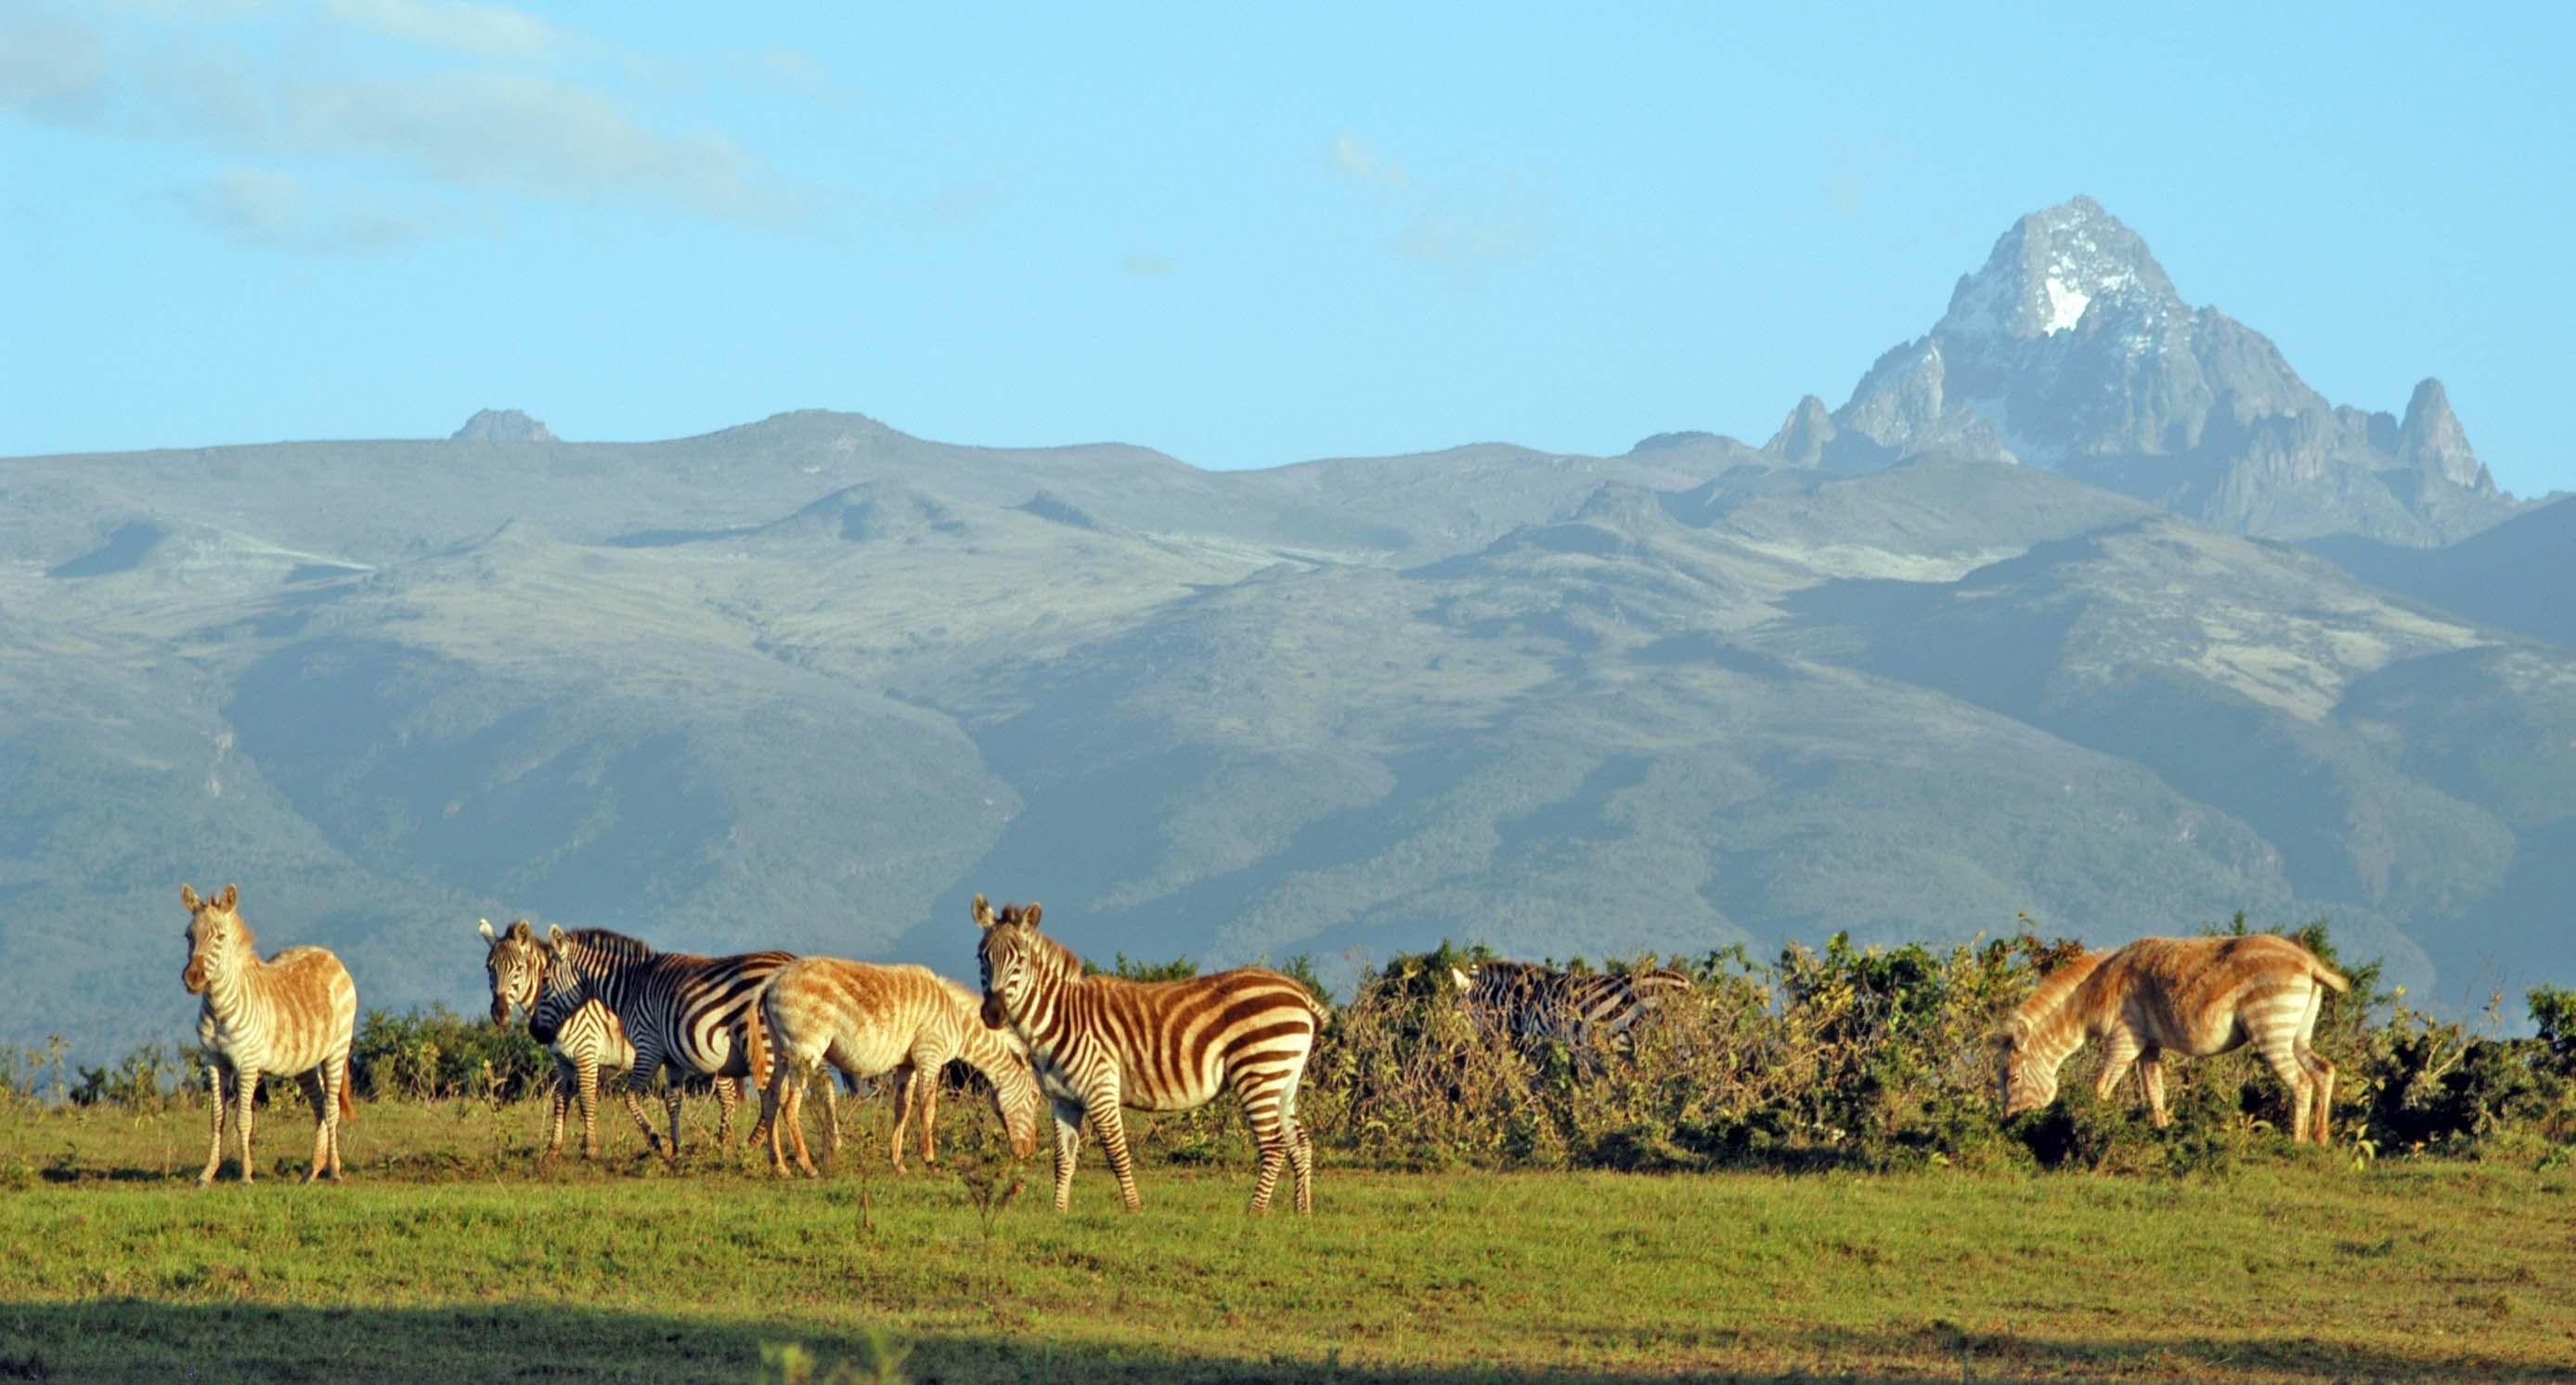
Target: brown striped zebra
[294, 1015]
[2194, 997]
[1533, 1004]
[1100, 1043]
[870, 1020]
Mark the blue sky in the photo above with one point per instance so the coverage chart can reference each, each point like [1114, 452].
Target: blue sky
[1243, 240]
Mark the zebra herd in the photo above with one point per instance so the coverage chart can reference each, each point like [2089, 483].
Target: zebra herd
[1047, 1031]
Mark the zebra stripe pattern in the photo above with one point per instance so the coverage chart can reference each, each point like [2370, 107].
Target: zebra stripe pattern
[584, 1037]
[683, 1013]
[1100, 1043]
[867, 1021]
[1532, 1004]
[294, 1015]
[2193, 997]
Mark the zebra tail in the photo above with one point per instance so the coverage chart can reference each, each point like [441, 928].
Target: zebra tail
[2330, 979]
[348, 1107]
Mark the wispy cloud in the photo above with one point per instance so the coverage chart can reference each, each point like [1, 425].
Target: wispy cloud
[1357, 160]
[491, 104]
[1145, 266]
[1464, 220]
[490, 31]
[270, 210]
[51, 68]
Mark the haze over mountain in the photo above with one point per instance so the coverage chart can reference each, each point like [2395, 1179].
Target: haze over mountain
[2009, 631]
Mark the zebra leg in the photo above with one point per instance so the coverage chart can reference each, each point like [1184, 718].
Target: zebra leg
[1068, 1143]
[905, 1076]
[557, 1099]
[791, 1114]
[728, 1093]
[316, 1086]
[832, 1114]
[671, 1101]
[585, 1086]
[635, 1108]
[2322, 1074]
[2151, 1075]
[1111, 1126]
[1301, 1163]
[2119, 1054]
[215, 1081]
[245, 1096]
[1270, 1133]
[928, 1082]
[769, 1127]
[339, 1084]
[2280, 1053]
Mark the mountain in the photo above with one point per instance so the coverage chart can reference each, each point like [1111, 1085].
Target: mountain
[2515, 576]
[812, 682]
[2072, 349]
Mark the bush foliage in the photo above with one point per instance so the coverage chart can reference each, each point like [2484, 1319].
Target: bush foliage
[1844, 1056]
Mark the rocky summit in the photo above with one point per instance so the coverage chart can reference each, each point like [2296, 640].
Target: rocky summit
[501, 425]
[2071, 348]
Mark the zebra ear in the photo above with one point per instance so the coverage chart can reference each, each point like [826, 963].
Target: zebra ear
[224, 902]
[1466, 979]
[487, 931]
[555, 934]
[983, 912]
[188, 897]
[1030, 914]
[519, 929]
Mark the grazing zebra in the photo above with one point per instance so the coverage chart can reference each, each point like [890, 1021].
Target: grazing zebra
[294, 1015]
[870, 1020]
[1100, 1043]
[587, 1042]
[684, 1013]
[1533, 1004]
[2190, 996]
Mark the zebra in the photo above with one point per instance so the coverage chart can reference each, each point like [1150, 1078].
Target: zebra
[294, 1015]
[1100, 1043]
[2193, 996]
[683, 1013]
[869, 1020]
[1532, 1004]
[586, 1043]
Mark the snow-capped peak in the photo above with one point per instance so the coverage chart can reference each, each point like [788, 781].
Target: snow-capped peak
[2048, 271]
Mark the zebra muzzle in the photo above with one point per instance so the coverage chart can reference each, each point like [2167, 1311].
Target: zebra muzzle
[194, 978]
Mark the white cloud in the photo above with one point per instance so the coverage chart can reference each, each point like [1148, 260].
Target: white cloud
[50, 68]
[490, 31]
[1358, 160]
[278, 211]
[540, 135]
[1464, 219]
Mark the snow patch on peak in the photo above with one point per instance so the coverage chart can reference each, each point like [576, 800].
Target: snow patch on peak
[2065, 306]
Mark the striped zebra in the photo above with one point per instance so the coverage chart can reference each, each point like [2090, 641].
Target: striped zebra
[869, 1020]
[293, 1015]
[683, 1013]
[1531, 1004]
[587, 1042]
[2189, 996]
[1100, 1043]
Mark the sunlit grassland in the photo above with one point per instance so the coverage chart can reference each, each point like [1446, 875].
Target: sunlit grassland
[449, 1255]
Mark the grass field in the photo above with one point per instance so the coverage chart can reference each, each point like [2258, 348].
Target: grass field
[450, 1256]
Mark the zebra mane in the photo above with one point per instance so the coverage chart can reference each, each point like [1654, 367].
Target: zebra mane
[2052, 994]
[607, 944]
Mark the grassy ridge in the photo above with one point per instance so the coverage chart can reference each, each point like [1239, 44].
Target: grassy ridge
[452, 1256]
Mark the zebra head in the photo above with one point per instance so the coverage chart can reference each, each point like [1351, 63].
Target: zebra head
[560, 988]
[1013, 959]
[216, 937]
[515, 963]
[2023, 1083]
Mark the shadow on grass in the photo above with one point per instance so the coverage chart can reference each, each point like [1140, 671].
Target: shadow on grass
[132, 1339]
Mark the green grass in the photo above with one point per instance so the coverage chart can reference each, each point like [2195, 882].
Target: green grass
[450, 1256]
